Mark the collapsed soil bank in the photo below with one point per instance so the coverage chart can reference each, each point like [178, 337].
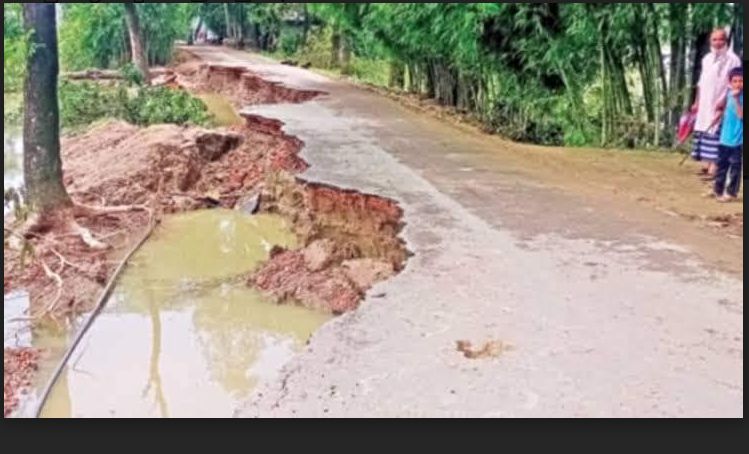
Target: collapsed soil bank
[349, 240]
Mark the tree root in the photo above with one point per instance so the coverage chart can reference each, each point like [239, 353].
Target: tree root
[87, 237]
[91, 211]
[65, 261]
[35, 227]
[52, 304]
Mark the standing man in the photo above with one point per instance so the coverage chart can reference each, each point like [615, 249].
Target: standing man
[711, 93]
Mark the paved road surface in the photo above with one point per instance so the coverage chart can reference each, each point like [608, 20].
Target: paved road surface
[607, 316]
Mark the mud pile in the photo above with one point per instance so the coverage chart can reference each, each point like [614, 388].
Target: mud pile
[120, 164]
[176, 168]
[349, 240]
[19, 364]
[350, 243]
[245, 87]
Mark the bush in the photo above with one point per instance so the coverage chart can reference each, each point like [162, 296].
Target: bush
[131, 74]
[14, 48]
[289, 43]
[82, 103]
[155, 105]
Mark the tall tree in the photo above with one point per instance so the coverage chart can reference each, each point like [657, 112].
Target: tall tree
[738, 29]
[46, 196]
[41, 132]
[140, 58]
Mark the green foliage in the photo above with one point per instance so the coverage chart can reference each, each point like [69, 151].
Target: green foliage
[95, 34]
[14, 48]
[131, 74]
[370, 71]
[163, 24]
[83, 103]
[317, 50]
[156, 105]
[548, 73]
[12, 107]
[289, 43]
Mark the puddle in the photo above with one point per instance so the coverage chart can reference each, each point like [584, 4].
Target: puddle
[221, 109]
[12, 161]
[182, 336]
[16, 334]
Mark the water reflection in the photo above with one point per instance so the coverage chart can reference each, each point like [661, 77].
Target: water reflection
[180, 336]
[12, 161]
[154, 379]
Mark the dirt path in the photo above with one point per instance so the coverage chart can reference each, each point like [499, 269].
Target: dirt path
[585, 264]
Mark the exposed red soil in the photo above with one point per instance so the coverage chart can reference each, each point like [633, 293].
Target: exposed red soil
[349, 239]
[19, 365]
[245, 87]
[350, 243]
[241, 85]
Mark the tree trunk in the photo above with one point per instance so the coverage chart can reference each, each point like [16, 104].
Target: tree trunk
[701, 47]
[397, 75]
[335, 51]
[140, 59]
[660, 72]
[604, 94]
[228, 20]
[344, 59]
[429, 88]
[305, 30]
[239, 25]
[678, 27]
[254, 36]
[738, 30]
[194, 33]
[42, 166]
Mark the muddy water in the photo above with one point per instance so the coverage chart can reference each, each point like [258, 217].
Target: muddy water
[182, 335]
[221, 108]
[15, 333]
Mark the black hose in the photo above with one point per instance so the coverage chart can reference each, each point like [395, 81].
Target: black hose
[95, 313]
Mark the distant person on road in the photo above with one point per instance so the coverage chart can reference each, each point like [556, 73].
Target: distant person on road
[730, 158]
[711, 93]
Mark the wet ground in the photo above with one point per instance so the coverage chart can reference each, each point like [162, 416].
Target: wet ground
[612, 307]
[220, 107]
[182, 336]
[608, 305]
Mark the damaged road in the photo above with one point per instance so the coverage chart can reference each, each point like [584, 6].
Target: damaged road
[467, 284]
[348, 241]
[610, 310]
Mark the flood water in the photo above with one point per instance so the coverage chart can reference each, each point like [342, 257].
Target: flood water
[15, 333]
[183, 336]
[221, 108]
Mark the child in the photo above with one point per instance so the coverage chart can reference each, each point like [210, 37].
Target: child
[731, 139]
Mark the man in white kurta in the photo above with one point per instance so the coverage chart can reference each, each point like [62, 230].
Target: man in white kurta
[711, 91]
